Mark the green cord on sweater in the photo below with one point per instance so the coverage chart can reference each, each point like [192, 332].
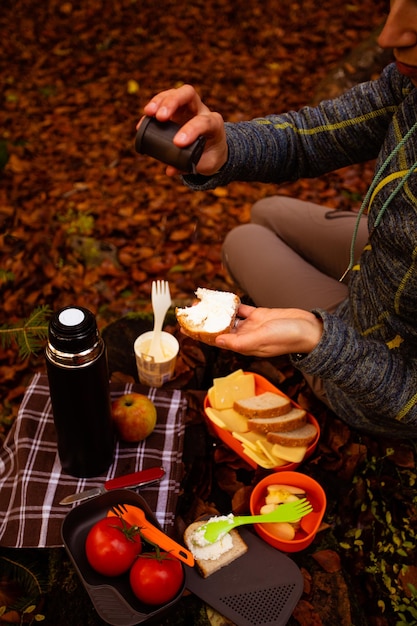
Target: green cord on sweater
[370, 191]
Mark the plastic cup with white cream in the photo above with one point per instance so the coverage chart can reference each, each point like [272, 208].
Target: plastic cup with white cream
[151, 372]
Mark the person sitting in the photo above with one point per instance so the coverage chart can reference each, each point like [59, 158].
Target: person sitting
[338, 294]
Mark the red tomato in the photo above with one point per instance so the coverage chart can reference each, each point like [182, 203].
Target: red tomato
[112, 545]
[156, 579]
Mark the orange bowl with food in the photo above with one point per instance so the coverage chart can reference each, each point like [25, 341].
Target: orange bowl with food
[278, 488]
[259, 422]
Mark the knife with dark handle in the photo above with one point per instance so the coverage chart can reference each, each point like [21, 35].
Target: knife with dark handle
[137, 479]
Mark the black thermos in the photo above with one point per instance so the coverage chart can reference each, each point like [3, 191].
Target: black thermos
[76, 362]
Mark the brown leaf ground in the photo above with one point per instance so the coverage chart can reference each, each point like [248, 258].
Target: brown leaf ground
[86, 220]
[83, 217]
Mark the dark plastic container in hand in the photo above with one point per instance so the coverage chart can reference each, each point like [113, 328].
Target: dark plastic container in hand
[76, 362]
[154, 138]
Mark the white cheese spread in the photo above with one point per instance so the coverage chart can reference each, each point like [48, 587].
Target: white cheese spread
[203, 549]
[213, 312]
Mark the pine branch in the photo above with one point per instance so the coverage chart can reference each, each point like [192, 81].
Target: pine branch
[29, 335]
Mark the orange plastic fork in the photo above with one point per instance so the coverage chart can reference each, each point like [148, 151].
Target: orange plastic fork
[136, 517]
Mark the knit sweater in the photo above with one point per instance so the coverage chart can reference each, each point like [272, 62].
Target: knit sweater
[367, 356]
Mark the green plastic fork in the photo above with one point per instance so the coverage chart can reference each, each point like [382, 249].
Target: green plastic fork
[287, 512]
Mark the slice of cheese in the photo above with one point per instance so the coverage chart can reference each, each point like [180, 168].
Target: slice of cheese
[226, 380]
[248, 439]
[227, 390]
[259, 458]
[289, 454]
[266, 447]
[260, 447]
[228, 418]
[230, 376]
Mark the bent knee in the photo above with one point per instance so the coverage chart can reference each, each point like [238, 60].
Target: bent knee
[263, 209]
[237, 240]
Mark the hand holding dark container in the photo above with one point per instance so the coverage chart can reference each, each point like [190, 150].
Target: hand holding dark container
[154, 138]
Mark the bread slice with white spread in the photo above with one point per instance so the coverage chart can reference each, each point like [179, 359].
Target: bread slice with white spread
[214, 314]
[210, 557]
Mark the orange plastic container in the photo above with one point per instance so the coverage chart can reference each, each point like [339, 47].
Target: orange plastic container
[309, 524]
[261, 385]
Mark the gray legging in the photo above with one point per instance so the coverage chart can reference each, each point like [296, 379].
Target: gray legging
[293, 253]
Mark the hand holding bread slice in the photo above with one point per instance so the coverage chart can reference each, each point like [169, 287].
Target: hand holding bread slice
[214, 314]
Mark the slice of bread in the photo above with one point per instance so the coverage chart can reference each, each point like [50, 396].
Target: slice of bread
[213, 315]
[267, 404]
[295, 418]
[299, 437]
[207, 567]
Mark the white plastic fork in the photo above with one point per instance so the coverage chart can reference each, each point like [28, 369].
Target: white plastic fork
[161, 301]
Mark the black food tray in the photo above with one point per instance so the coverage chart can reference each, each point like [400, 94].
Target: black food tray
[260, 588]
[112, 598]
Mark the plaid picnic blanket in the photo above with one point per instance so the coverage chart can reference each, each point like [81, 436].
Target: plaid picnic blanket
[32, 482]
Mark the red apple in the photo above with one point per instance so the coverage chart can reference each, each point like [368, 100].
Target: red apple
[134, 416]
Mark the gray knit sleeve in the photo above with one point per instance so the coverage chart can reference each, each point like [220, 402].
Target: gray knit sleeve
[368, 385]
[312, 141]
